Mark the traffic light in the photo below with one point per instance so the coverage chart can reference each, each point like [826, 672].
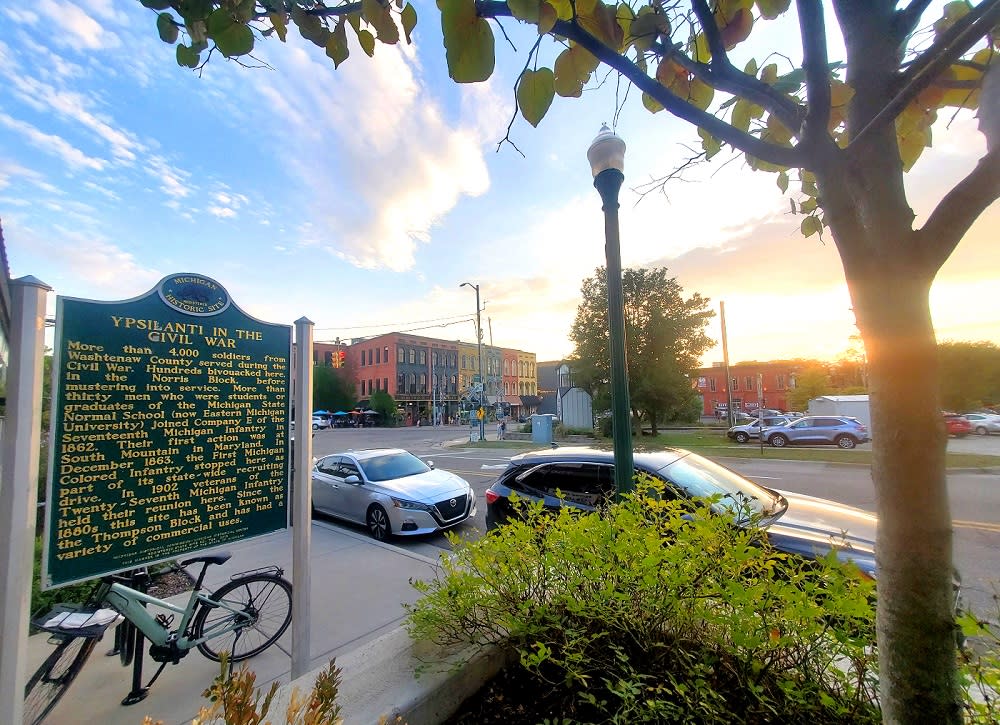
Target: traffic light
[341, 358]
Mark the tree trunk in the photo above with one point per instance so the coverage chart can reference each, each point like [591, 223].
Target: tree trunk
[917, 650]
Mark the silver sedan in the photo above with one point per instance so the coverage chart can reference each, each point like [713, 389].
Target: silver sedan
[391, 492]
[983, 423]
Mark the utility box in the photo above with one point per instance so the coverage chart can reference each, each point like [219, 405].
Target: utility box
[574, 408]
[541, 428]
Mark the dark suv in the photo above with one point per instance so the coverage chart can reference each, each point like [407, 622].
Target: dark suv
[834, 430]
[583, 478]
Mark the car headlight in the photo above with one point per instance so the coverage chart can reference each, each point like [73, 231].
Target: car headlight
[402, 503]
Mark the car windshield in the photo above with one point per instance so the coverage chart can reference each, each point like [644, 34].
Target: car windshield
[701, 477]
[392, 465]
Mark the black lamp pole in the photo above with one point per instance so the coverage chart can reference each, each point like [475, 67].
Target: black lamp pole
[607, 159]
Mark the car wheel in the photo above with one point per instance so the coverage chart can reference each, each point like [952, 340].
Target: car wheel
[315, 426]
[845, 442]
[778, 440]
[378, 523]
[741, 437]
[981, 430]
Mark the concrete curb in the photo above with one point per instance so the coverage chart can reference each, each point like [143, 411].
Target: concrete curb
[378, 681]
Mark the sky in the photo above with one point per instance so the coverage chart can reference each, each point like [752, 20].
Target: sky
[362, 197]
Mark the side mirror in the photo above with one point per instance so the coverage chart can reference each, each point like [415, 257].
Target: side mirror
[430, 464]
[353, 478]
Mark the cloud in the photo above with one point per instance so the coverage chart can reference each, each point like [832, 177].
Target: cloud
[173, 180]
[52, 144]
[371, 148]
[83, 30]
[73, 106]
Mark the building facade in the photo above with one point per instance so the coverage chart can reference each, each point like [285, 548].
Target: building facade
[776, 379]
[428, 377]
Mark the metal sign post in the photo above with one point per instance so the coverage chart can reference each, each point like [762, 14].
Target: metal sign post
[18, 475]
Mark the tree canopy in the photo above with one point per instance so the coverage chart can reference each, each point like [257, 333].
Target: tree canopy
[838, 132]
[332, 390]
[970, 375]
[665, 338]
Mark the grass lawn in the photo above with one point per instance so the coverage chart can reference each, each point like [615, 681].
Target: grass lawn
[715, 444]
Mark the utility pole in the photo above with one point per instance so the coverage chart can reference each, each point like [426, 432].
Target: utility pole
[725, 360]
[479, 347]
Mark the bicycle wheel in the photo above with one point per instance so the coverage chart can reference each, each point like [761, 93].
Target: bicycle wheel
[263, 602]
[54, 677]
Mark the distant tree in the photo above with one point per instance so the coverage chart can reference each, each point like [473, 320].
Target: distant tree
[385, 405]
[970, 374]
[849, 373]
[664, 338]
[331, 389]
[811, 382]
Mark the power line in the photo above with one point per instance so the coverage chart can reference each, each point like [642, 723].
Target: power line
[397, 329]
[456, 318]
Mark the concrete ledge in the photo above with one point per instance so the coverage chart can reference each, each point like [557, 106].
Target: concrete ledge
[378, 681]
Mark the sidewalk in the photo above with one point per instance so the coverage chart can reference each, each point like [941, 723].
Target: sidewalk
[358, 586]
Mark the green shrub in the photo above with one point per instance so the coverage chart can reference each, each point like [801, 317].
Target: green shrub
[654, 611]
[43, 601]
[979, 667]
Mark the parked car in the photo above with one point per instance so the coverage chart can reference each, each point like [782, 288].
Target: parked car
[584, 479]
[841, 430]
[793, 414]
[391, 492]
[319, 422]
[743, 433]
[956, 425]
[984, 424]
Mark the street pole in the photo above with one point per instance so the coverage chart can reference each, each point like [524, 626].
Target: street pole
[479, 347]
[607, 161]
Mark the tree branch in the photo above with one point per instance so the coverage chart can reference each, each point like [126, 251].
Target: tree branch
[772, 153]
[952, 45]
[730, 79]
[815, 62]
[906, 20]
[957, 211]
[715, 45]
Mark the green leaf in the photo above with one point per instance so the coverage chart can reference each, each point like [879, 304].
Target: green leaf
[524, 10]
[741, 115]
[380, 17]
[535, 93]
[280, 23]
[367, 41]
[167, 28]
[187, 57]
[231, 37]
[572, 70]
[468, 42]
[771, 9]
[811, 225]
[783, 182]
[336, 46]
[155, 4]
[652, 105]
[409, 19]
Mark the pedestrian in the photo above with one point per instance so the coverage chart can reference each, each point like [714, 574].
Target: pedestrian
[499, 431]
[503, 431]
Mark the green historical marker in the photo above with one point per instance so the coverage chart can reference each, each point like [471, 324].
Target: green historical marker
[170, 422]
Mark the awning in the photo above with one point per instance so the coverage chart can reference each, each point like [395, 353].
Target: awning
[514, 400]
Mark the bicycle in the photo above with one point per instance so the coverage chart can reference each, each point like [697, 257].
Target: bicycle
[255, 602]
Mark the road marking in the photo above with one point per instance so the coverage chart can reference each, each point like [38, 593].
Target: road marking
[501, 465]
[981, 525]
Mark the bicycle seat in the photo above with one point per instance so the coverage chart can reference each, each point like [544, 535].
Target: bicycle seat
[221, 558]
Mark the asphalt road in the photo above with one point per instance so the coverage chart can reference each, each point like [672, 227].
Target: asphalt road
[974, 495]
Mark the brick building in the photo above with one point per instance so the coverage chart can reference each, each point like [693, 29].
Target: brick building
[776, 379]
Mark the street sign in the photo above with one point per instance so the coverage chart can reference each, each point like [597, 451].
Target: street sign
[480, 413]
[170, 423]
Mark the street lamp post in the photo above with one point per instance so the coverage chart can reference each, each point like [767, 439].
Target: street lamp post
[479, 347]
[607, 162]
